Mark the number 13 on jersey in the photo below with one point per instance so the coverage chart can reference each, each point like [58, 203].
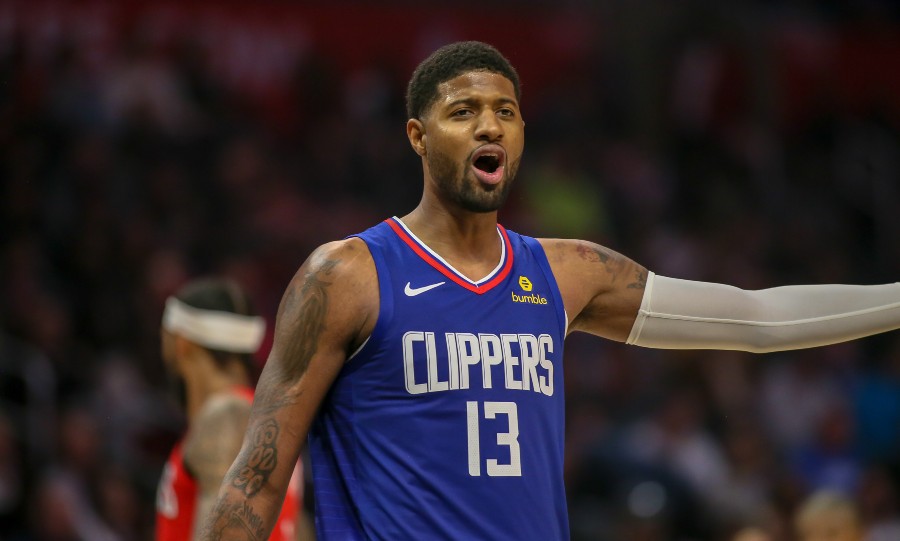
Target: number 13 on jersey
[510, 439]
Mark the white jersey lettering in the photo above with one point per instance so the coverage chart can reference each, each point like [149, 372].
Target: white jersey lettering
[525, 358]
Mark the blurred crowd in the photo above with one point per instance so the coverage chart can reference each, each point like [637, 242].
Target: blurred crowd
[756, 145]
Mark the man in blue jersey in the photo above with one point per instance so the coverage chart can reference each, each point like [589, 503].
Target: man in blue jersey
[423, 357]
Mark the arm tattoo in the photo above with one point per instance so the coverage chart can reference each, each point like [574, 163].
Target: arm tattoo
[593, 254]
[640, 281]
[304, 310]
[260, 460]
[235, 521]
[272, 396]
[612, 263]
[308, 322]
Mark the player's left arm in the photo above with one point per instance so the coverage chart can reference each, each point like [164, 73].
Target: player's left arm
[686, 314]
[603, 291]
[212, 442]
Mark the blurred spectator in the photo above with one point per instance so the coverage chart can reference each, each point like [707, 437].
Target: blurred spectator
[830, 461]
[61, 511]
[801, 384]
[12, 476]
[828, 516]
[675, 436]
[879, 504]
[877, 406]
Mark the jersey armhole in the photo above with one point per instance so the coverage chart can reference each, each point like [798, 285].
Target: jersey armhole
[385, 299]
[541, 258]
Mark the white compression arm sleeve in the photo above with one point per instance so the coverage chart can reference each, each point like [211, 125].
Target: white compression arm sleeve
[683, 314]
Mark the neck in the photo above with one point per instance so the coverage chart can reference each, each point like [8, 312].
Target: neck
[467, 240]
[461, 229]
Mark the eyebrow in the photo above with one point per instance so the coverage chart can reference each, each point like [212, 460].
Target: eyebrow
[474, 101]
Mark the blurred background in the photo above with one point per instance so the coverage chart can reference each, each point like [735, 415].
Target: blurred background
[751, 143]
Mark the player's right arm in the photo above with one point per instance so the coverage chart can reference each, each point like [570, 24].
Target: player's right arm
[328, 310]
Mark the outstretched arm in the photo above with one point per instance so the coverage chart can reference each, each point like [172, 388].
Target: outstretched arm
[328, 310]
[683, 314]
[607, 294]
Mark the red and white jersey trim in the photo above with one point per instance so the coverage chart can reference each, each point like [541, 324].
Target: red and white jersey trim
[496, 276]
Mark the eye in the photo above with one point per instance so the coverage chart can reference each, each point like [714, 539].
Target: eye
[461, 113]
[506, 112]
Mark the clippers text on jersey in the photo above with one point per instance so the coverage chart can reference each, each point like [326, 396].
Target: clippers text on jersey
[510, 361]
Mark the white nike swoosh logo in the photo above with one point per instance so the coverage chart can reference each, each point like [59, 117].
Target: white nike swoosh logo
[413, 291]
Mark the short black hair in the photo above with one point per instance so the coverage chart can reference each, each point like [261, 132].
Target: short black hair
[452, 61]
[223, 295]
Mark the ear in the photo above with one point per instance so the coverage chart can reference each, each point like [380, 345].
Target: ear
[415, 131]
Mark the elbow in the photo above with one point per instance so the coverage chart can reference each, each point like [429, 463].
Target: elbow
[769, 339]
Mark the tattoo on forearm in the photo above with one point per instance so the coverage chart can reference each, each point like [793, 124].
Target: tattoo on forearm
[640, 281]
[235, 522]
[260, 460]
[308, 322]
[272, 395]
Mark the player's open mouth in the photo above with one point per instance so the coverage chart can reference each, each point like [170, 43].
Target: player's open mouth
[488, 163]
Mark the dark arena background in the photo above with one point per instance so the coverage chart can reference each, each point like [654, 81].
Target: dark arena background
[750, 143]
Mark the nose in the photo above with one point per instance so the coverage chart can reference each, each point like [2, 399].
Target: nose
[489, 127]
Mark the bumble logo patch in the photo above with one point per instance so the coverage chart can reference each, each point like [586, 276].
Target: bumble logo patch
[525, 283]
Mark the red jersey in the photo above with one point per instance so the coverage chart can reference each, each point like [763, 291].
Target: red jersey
[176, 498]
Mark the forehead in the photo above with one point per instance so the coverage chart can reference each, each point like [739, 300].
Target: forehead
[484, 85]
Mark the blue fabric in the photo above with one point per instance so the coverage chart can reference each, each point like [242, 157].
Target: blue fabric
[449, 422]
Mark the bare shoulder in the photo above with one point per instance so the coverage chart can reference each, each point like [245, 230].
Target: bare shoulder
[328, 309]
[223, 405]
[338, 282]
[223, 408]
[215, 436]
[221, 414]
[601, 288]
[341, 259]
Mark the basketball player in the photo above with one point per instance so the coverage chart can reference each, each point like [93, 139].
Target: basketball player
[423, 357]
[208, 336]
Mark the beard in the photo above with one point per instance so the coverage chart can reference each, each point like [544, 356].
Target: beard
[468, 192]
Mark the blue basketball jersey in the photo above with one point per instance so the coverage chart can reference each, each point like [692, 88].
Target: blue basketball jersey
[448, 422]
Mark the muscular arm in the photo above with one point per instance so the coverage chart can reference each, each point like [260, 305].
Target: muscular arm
[683, 314]
[601, 288]
[609, 295]
[328, 310]
[211, 445]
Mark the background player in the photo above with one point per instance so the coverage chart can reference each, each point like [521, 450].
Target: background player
[209, 333]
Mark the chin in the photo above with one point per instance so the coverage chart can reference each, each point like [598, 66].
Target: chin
[482, 205]
[485, 198]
